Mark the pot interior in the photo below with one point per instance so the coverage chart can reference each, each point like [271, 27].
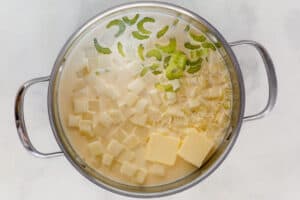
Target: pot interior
[211, 164]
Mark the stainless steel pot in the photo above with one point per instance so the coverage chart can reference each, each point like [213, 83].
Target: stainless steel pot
[154, 191]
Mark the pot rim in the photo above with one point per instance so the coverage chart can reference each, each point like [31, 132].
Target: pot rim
[57, 68]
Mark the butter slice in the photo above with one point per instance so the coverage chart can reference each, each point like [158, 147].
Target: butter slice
[162, 149]
[195, 147]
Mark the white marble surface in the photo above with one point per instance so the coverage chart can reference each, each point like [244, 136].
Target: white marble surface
[264, 163]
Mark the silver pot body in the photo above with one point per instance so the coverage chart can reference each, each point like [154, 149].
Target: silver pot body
[166, 189]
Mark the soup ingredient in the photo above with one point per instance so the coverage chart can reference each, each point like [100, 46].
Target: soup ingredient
[195, 148]
[128, 169]
[154, 53]
[209, 45]
[162, 149]
[107, 159]
[96, 148]
[101, 49]
[191, 46]
[140, 25]
[119, 23]
[162, 31]
[120, 49]
[141, 175]
[169, 48]
[139, 36]
[187, 28]
[141, 52]
[198, 38]
[132, 20]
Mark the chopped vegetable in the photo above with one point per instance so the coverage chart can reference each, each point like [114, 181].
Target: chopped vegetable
[154, 66]
[209, 45]
[132, 20]
[162, 31]
[141, 52]
[196, 62]
[166, 88]
[169, 48]
[187, 28]
[100, 49]
[139, 36]
[198, 38]
[176, 66]
[144, 71]
[120, 49]
[178, 58]
[218, 44]
[199, 53]
[156, 72]
[194, 69]
[154, 53]
[191, 46]
[140, 25]
[175, 22]
[119, 23]
[166, 61]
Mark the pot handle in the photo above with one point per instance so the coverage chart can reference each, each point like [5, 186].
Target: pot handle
[20, 121]
[271, 75]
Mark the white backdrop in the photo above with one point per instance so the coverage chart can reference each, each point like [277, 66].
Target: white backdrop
[264, 164]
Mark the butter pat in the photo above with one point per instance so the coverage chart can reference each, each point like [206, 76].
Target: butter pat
[195, 147]
[162, 149]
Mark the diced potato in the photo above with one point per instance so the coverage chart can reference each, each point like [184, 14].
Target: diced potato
[162, 149]
[84, 71]
[139, 119]
[116, 116]
[126, 156]
[193, 103]
[171, 97]
[82, 92]
[80, 105]
[96, 148]
[136, 86]
[128, 169]
[131, 141]
[213, 93]
[155, 97]
[154, 113]
[157, 169]
[112, 92]
[128, 100]
[105, 119]
[74, 121]
[114, 147]
[141, 175]
[94, 105]
[175, 111]
[107, 159]
[86, 127]
[194, 148]
[88, 116]
[119, 135]
[141, 105]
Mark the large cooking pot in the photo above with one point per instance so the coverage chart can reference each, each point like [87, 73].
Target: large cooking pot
[166, 189]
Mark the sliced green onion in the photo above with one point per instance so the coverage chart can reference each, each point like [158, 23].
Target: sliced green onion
[100, 49]
[156, 72]
[139, 36]
[141, 52]
[144, 71]
[209, 45]
[166, 61]
[140, 24]
[119, 23]
[191, 46]
[196, 62]
[179, 59]
[187, 28]
[166, 88]
[175, 22]
[218, 44]
[120, 49]
[173, 72]
[132, 20]
[198, 38]
[154, 66]
[194, 69]
[169, 48]
[199, 53]
[154, 53]
[162, 31]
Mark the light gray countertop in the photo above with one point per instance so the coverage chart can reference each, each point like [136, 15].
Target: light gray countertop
[264, 163]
